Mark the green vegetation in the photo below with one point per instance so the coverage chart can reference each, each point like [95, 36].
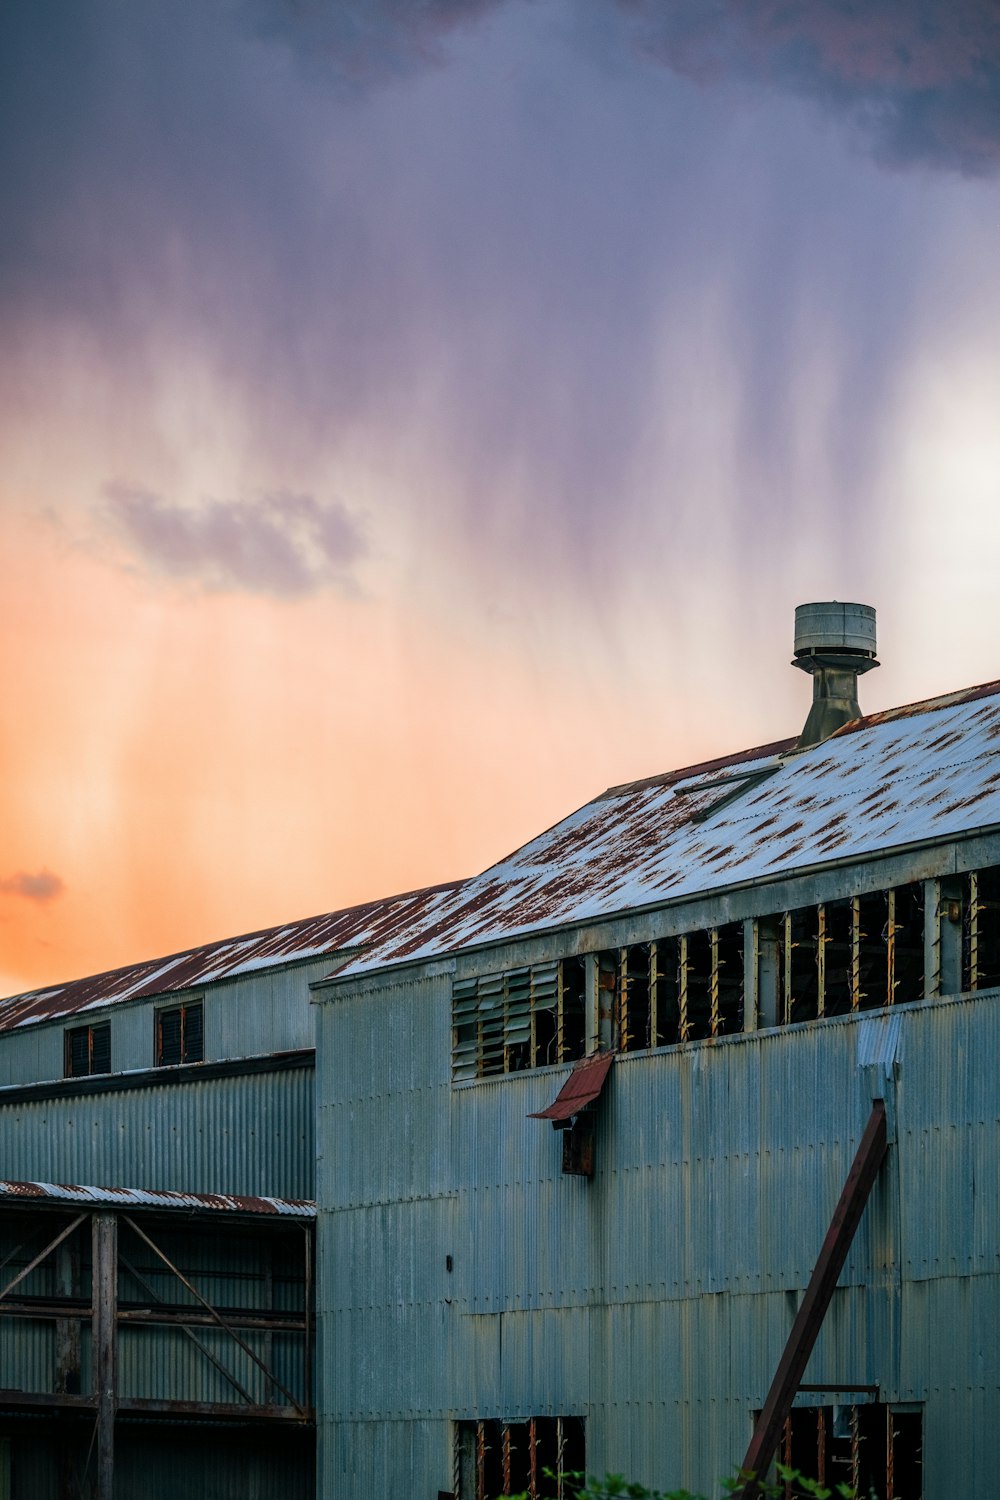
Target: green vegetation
[616, 1487]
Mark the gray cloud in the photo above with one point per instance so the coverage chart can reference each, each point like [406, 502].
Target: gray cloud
[43, 886]
[919, 79]
[284, 545]
[365, 41]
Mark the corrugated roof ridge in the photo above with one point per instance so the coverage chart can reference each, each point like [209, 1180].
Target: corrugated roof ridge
[777, 747]
[920, 706]
[145, 966]
[720, 763]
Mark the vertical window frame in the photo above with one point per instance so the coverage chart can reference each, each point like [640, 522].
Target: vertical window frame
[184, 1009]
[98, 1029]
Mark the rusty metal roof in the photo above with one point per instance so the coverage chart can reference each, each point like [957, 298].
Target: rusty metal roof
[95, 1197]
[903, 777]
[312, 937]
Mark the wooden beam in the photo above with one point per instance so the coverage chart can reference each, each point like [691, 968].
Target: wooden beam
[813, 1309]
[105, 1293]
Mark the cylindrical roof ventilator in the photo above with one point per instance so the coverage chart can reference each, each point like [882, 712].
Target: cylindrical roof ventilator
[835, 643]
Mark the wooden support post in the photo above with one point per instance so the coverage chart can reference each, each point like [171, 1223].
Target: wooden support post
[67, 1332]
[307, 1342]
[104, 1310]
[816, 1301]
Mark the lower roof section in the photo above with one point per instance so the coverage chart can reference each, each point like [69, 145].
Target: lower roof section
[209, 1204]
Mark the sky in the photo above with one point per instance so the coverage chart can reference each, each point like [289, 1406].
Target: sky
[418, 415]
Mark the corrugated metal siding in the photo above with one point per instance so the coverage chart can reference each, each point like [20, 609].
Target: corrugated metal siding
[655, 1300]
[250, 1134]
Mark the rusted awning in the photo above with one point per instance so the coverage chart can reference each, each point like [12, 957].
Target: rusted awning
[581, 1088]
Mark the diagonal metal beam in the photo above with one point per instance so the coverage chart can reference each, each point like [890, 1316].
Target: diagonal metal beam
[43, 1255]
[813, 1309]
[223, 1370]
[268, 1374]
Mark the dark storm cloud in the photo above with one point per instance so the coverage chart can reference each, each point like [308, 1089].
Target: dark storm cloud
[365, 41]
[286, 546]
[920, 79]
[41, 887]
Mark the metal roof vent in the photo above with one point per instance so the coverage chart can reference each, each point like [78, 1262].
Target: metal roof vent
[835, 643]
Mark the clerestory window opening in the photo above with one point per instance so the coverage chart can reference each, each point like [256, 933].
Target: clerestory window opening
[856, 953]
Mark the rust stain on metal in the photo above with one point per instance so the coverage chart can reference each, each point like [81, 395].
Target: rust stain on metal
[581, 1088]
[70, 1193]
[352, 927]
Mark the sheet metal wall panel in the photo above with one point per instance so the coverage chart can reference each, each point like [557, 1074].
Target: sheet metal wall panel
[260, 1013]
[948, 1112]
[31, 1054]
[366, 1459]
[387, 1070]
[27, 1355]
[252, 1134]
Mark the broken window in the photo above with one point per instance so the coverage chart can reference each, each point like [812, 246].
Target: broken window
[180, 1035]
[543, 1457]
[572, 1035]
[870, 951]
[907, 928]
[634, 1023]
[874, 1449]
[710, 988]
[505, 1023]
[87, 1050]
[665, 1021]
[861, 953]
[836, 950]
[517, 1021]
[800, 971]
[544, 1015]
[696, 985]
[727, 979]
[982, 930]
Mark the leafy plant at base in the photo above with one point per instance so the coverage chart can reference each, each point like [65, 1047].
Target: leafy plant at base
[616, 1487]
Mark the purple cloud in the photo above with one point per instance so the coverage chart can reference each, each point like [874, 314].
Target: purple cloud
[43, 886]
[365, 41]
[284, 545]
[919, 79]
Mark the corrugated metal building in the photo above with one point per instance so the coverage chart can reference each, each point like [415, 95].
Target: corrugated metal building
[758, 998]
[784, 965]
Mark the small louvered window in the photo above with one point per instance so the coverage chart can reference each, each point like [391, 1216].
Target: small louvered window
[88, 1050]
[505, 1023]
[180, 1035]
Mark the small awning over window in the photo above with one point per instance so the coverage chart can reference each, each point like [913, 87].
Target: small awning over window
[581, 1088]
